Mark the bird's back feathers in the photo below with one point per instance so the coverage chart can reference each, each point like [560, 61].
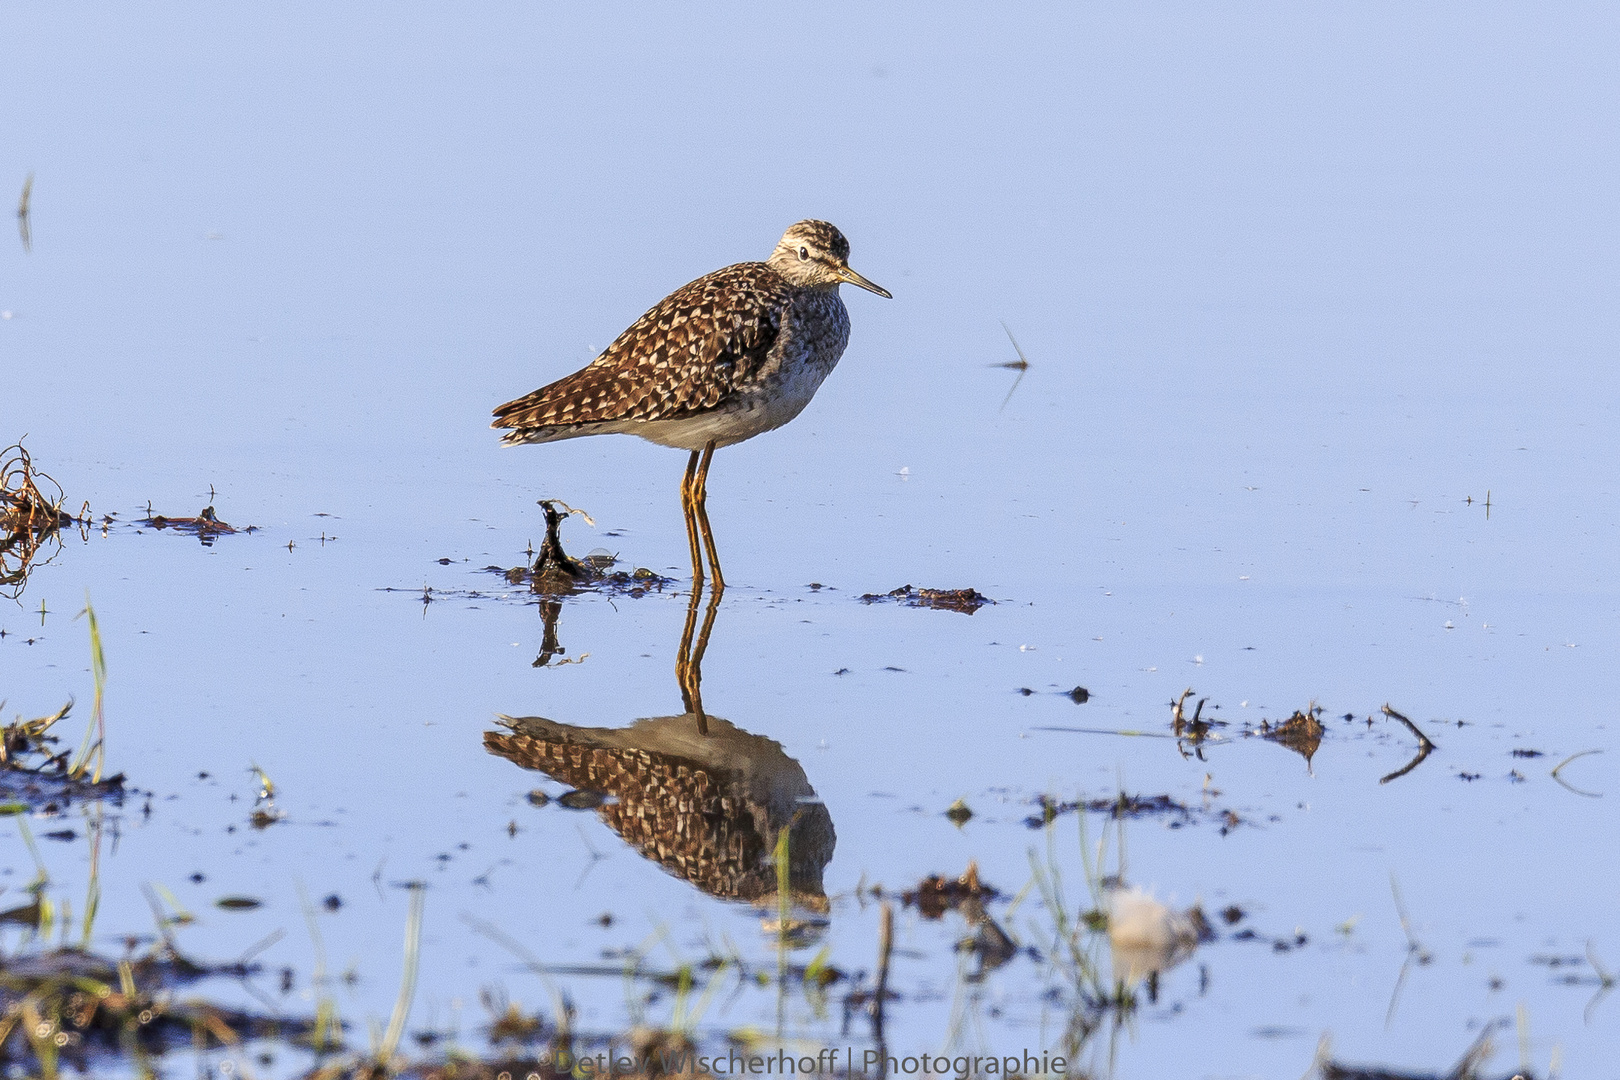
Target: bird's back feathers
[684, 357]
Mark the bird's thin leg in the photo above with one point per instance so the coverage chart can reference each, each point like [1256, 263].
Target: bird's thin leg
[700, 497]
[688, 500]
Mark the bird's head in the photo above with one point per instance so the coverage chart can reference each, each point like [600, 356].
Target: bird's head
[813, 254]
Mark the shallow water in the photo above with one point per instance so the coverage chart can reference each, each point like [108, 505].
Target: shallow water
[1297, 292]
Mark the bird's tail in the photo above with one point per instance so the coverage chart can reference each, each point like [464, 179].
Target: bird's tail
[553, 433]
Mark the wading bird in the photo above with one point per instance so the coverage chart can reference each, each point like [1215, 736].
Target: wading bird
[735, 353]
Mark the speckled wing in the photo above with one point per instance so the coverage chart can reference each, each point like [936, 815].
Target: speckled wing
[685, 356]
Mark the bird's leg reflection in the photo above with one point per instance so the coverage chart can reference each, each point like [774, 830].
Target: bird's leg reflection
[689, 660]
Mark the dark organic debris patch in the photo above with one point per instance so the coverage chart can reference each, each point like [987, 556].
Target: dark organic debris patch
[989, 945]
[554, 572]
[206, 526]
[935, 895]
[1195, 729]
[1301, 732]
[582, 799]
[35, 773]
[238, 903]
[1469, 1067]
[633, 583]
[25, 503]
[69, 1004]
[1120, 807]
[967, 601]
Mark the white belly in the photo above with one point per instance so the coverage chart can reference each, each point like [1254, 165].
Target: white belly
[768, 407]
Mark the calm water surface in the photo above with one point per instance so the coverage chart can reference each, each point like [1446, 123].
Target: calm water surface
[1298, 289]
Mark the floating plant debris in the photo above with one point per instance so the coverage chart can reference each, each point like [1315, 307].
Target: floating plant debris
[31, 516]
[206, 526]
[1301, 733]
[34, 773]
[967, 601]
[935, 895]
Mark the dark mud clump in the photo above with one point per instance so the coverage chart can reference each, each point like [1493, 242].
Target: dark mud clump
[633, 583]
[935, 895]
[554, 569]
[967, 601]
[1301, 733]
[989, 945]
[206, 526]
[72, 1005]
[35, 774]
[555, 572]
[1470, 1067]
[1119, 808]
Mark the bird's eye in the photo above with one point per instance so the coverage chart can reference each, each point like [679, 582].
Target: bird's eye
[804, 254]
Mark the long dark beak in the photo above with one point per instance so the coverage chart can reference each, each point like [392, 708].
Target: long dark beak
[855, 279]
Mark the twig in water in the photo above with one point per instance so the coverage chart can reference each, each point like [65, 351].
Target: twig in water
[25, 227]
[1178, 719]
[1425, 746]
[1571, 787]
[1021, 365]
[596, 857]
[1606, 981]
[1423, 740]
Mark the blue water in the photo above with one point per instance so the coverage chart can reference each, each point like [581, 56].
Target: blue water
[1294, 285]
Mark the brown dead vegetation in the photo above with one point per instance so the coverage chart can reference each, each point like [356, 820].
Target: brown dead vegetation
[31, 517]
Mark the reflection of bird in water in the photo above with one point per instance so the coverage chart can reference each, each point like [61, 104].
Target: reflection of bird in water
[735, 353]
[707, 808]
[697, 795]
[1148, 938]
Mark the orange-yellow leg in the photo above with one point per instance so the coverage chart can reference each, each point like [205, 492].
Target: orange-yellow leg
[688, 497]
[700, 495]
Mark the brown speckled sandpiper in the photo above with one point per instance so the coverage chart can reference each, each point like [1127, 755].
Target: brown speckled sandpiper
[735, 353]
